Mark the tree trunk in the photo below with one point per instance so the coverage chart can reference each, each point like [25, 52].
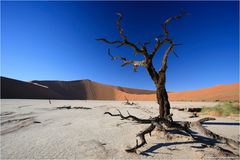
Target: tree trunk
[162, 96]
[162, 99]
[161, 93]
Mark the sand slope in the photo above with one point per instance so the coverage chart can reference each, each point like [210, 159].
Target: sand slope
[216, 93]
[90, 90]
[80, 89]
[11, 88]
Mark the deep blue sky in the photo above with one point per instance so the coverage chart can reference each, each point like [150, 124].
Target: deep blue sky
[56, 41]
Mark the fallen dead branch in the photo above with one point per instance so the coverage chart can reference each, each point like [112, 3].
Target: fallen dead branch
[64, 107]
[129, 117]
[82, 108]
[193, 110]
[70, 107]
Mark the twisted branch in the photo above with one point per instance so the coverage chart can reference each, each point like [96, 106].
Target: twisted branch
[127, 62]
[125, 39]
[147, 63]
[131, 117]
[109, 42]
[158, 44]
[170, 19]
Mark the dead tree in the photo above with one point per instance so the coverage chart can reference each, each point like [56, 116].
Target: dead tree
[164, 119]
[128, 102]
[158, 77]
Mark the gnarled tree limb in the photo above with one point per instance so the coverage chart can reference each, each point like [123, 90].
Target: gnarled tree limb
[130, 117]
[158, 44]
[127, 62]
[170, 19]
[125, 39]
[109, 42]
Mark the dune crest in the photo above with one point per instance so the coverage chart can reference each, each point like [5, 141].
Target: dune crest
[217, 93]
[90, 90]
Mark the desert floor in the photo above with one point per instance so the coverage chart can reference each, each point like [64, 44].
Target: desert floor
[35, 129]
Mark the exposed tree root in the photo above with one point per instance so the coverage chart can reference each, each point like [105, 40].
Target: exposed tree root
[185, 126]
[230, 142]
[141, 135]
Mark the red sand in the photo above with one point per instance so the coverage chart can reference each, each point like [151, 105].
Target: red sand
[86, 89]
[216, 93]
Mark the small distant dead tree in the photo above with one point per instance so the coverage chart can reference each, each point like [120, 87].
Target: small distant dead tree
[164, 119]
[128, 102]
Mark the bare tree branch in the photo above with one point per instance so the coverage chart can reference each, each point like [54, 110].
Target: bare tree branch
[174, 50]
[170, 19]
[158, 44]
[146, 43]
[165, 57]
[125, 39]
[131, 117]
[127, 62]
[164, 61]
[109, 42]
[120, 29]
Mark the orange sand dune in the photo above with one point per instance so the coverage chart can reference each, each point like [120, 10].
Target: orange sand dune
[216, 93]
[89, 90]
[11, 88]
[226, 92]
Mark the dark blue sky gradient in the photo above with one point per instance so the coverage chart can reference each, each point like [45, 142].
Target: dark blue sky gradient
[56, 41]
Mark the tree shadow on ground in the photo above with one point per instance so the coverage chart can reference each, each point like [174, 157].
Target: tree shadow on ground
[222, 123]
[179, 132]
[199, 140]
